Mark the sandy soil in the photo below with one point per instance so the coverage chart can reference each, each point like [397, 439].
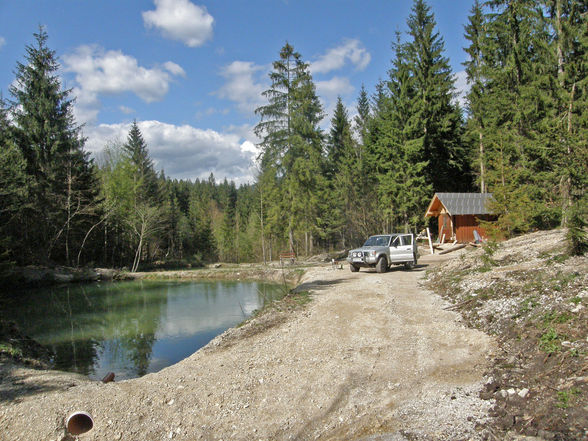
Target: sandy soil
[372, 357]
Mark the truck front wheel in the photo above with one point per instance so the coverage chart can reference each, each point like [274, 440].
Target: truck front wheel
[382, 265]
[353, 268]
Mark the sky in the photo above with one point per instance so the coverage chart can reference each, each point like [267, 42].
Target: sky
[191, 72]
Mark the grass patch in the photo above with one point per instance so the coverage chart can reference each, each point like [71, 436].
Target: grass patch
[300, 298]
[567, 398]
[487, 259]
[8, 349]
[561, 280]
[549, 342]
[527, 305]
[558, 258]
[556, 317]
[576, 300]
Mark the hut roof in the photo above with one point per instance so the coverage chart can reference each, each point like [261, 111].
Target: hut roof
[459, 203]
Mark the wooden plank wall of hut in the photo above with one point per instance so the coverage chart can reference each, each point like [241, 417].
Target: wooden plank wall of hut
[465, 225]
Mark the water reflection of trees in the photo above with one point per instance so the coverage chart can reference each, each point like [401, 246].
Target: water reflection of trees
[80, 323]
[91, 327]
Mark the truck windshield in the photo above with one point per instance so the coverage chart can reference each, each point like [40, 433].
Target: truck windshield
[377, 241]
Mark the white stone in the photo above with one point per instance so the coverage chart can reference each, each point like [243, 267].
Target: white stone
[523, 392]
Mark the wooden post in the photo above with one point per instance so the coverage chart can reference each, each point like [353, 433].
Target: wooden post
[430, 241]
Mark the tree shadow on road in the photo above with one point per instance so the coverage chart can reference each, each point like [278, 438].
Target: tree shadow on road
[16, 384]
[317, 285]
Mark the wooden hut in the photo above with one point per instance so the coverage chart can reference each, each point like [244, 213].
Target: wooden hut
[458, 215]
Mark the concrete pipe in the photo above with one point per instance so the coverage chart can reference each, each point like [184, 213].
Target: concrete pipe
[79, 422]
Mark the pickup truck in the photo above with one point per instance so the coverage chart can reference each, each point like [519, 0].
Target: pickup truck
[383, 250]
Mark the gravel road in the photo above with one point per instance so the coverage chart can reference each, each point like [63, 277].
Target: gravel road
[372, 357]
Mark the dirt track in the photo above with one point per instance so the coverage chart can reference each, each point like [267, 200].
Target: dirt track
[374, 356]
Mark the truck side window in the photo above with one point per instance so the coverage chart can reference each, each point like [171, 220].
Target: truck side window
[407, 240]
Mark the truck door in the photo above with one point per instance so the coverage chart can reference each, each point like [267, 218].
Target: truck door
[395, 251]
[406, 248]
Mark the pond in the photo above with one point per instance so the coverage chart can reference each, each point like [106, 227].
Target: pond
[133, 328]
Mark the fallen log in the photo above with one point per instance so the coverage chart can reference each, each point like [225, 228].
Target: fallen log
[455, 248]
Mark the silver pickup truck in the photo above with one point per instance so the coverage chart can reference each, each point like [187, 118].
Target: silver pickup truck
[384, 250]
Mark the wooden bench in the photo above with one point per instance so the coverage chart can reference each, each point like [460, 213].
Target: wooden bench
[287, 256]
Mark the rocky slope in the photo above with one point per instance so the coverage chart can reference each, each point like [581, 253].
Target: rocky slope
[534, 299]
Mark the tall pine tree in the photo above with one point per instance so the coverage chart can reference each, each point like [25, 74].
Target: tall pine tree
[13, 193]
[63, 185]
[291, 146]
[435, 119]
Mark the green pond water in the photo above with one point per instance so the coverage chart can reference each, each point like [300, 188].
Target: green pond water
[133, 328]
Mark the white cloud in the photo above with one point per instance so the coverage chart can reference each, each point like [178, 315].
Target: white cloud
[184, 152]
[352, 51]
[336, 86]
[174, 68]
[2, 42]
[181, 20]
[242, 85]
[126, 110]
[461, 88]
[111, 72]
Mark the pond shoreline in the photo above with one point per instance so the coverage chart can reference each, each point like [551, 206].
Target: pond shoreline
[21, 349]
[40, 276]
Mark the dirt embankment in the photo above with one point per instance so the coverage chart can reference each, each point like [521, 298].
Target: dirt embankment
[373, 356]
[533, 298]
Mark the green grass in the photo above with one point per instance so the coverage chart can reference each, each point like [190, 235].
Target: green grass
[526, 306]
[487, 260]
[561, 280]
[550, 342]
[300, 298]
[558, 258]
[566, 398]
[6, 348]
[556, 317]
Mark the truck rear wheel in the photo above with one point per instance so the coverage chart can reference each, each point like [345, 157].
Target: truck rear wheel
[382, 265]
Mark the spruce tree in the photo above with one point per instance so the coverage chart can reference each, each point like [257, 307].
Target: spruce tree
[518, 108]
[474, 32]
[138, 152]
[340, 142]
[291, 146]
[398, 150]
[13, 194]
[435, 120]
[63, 185]
[361, 120]
[339, 173]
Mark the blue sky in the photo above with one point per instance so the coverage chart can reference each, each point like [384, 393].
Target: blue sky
[191, 71]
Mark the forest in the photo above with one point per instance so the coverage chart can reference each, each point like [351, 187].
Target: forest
[522, 136]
